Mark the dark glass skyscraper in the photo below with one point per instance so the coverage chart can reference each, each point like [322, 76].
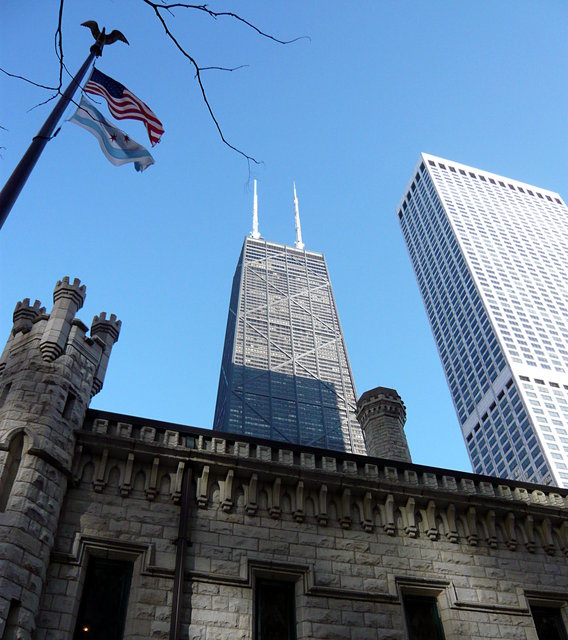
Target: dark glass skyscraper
[285, 373]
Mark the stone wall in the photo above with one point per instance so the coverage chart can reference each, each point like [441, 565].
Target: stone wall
[355, 534]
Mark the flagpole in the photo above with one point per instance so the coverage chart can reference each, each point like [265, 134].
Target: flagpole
[17, 180]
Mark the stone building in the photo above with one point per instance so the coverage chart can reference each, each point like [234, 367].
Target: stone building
[121, 527]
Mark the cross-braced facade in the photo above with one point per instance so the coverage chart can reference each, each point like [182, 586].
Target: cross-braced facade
[285, 373]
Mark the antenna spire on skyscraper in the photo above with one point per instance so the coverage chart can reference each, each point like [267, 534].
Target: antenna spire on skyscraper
[254, 233]
[298, 244]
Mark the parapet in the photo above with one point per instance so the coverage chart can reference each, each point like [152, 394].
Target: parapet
[107, 331]
[60, 333]
[25, 315]
[400, 498]
[68, 298]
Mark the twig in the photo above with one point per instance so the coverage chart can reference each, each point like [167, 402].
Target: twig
[170, 35]
[241, 66]
[59, 44]
[35, 84]
[218, 14]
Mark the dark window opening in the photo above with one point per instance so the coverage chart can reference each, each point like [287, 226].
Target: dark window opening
[10, 470]
[69, 405]
[102, 612]
[5, 392]
[548, 623]
[275, 610]
[422, 618]
[11, 627]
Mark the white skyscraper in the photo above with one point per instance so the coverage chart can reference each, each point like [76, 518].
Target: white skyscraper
[491, 258]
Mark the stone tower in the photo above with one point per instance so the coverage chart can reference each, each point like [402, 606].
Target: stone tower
[382, 414]
[49, 371]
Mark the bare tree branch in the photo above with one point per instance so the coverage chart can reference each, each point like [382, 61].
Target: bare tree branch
[40, 104]
[59, 44]
[158, 8]
[171, 36]
[35, 84]
[217, 14]
[241, 66]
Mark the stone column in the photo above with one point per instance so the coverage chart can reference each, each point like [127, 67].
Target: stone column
[382, 414]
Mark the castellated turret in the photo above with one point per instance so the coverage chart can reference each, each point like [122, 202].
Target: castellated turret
[49, 370]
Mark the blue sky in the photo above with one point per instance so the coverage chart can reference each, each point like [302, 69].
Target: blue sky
[345, 115]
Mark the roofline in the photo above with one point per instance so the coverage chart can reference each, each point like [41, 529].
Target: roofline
[424, 157]
[94, 414]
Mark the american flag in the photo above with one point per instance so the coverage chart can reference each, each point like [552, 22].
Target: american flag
[123, 104]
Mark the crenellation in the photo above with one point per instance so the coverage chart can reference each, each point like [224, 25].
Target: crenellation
[25, 315]
[148, 434]
[100, 426]
[68, 298]
[285, 456]
[430, 480]
[328, 463]
[371, 471]
[264, 453]
[349, 467]
[307, 460]
[486, 488]
[467, 485]
[449, 483]
[454, 484]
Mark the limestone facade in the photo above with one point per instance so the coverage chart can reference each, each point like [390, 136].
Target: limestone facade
[355, 534]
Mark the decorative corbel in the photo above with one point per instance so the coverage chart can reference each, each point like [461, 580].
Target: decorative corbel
[529, 534]
[408, 513]
[251, 495]
[470, 525]
[546, 535]
[299, 513]
[152, 481]
[509, 524]
[202, 488]
[429, 520]
[76, 471]
[387, 511]
[345, 518]
[99, 479]
[368, 512]
[274, 509]
[450, 521]
[490, 530]
[322, 506]
[562, 531]
[227, 491]
[126, 486]
[176, 483]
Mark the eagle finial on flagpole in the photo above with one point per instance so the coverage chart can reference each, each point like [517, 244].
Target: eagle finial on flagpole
[102, 38]
[254, 233]
[298, 244]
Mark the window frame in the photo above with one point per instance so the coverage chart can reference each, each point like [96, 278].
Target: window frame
[286, 582]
